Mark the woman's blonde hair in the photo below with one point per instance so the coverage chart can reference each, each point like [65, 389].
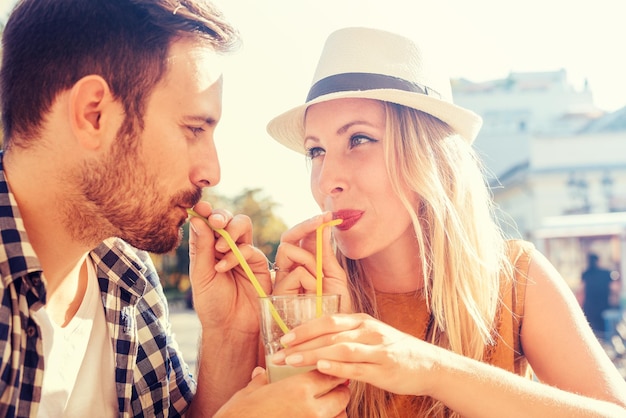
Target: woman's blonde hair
[462, 249]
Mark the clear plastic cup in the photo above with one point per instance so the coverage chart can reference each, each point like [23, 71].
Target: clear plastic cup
[294, 310]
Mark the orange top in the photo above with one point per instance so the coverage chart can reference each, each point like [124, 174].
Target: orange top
[407, 312]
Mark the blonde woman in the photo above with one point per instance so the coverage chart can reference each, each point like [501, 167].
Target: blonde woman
[443, 316]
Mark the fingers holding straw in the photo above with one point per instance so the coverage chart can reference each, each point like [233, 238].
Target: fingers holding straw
[244, 265]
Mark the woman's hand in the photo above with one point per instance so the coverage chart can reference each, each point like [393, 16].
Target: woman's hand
[296, 264]
[223, 295]
[359, 347]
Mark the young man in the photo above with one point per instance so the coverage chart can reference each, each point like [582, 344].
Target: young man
[109, 110]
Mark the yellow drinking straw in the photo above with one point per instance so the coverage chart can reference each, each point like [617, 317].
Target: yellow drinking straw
[318, 259]
[246, 268]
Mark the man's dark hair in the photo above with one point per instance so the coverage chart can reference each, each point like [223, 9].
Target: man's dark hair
[48, 45]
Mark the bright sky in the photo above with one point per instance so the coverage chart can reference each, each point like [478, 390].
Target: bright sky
[479, 39]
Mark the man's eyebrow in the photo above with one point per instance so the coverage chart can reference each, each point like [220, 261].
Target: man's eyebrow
[198, 118]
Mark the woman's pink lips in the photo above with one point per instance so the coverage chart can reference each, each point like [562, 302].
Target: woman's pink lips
[349, 216]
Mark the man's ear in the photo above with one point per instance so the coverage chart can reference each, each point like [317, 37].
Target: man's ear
[92, 109]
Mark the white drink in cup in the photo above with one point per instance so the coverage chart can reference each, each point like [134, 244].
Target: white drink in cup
[293, 310]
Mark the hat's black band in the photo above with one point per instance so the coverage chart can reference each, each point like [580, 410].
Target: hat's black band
[365, 81]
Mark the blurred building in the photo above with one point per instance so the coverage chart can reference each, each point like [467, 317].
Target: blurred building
[557, 166]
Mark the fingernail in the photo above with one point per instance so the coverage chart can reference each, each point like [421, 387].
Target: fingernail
[287, 338]
[278, 358]
[221, 265]
[257, 371]
[323, 365]
[294, 359]
[218, 217]
[193, 228]
[315, 219]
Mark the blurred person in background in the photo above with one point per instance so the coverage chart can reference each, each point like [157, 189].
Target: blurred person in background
[598, 290]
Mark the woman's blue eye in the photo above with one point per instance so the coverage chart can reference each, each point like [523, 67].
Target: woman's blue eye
[314, 152]
[360, 139]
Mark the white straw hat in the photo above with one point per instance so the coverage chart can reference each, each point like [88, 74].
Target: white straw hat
[375, 64]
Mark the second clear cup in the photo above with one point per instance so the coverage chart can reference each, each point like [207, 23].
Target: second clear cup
[294, 310]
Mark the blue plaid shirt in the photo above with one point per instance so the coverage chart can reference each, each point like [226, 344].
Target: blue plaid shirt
[152, 380]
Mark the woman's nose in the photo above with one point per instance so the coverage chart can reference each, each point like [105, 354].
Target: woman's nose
[332, 175]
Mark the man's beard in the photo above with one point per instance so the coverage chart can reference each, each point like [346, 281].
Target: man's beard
[119, 197]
